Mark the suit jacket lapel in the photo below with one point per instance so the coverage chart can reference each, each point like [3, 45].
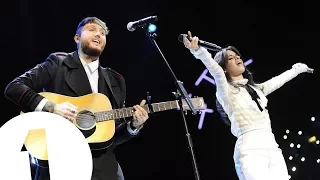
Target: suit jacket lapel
[76, 77]
[107, 79]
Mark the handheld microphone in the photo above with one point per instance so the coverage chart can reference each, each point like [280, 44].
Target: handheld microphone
[132, 26]
[201, 43]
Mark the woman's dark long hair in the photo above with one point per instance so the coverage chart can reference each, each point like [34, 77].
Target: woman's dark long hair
[222, 58]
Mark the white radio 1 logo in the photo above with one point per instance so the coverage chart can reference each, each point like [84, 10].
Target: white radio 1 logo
[69, 154]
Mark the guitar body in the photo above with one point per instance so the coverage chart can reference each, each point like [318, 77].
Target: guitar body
[97, 133]
[95, 119]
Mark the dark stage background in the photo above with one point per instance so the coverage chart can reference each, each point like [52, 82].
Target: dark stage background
[274, 34]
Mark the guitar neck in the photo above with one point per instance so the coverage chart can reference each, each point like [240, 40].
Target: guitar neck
[128, 112]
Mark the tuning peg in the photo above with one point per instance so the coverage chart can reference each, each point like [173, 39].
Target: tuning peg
[149, 102]
[176, 95]
[148, 98]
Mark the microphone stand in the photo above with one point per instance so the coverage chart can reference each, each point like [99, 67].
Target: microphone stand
[180, 95]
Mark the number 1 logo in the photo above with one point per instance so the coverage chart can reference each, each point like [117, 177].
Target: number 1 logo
[69, 154]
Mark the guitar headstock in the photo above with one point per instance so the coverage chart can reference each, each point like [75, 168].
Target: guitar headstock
[197, 102]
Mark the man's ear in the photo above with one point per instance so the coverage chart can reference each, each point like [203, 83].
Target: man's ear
[77, 38]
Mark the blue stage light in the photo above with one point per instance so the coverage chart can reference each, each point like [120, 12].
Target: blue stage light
[152, 28]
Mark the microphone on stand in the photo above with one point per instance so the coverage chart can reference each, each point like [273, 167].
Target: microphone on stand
[201, 43]
[132, 26]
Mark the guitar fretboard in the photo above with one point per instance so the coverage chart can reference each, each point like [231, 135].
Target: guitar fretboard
[128, 112]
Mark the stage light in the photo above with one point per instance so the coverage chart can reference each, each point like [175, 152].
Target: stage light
[299, 149]
[291, 145]
[287, 131]
[312, 139]
[152, 28]
[313, 118]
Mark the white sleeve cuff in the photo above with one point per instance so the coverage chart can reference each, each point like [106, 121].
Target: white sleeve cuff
[201, 53]
[198, 51]
[131, 131]
[41, 105]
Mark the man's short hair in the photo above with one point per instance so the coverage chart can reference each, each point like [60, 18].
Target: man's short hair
[92, 20]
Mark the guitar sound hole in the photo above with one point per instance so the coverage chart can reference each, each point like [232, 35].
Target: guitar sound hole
[85, 119]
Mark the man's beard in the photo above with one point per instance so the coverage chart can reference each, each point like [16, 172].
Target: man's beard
[90, 51]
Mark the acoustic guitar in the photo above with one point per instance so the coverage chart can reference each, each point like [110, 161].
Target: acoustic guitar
[96, 120]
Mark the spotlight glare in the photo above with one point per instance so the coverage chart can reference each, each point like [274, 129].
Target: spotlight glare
[294, 168]
[298, 146]
[303, 159]
[300, 132]
[313, 118]
[312, 139]
[291, 145]
[152, 28]
[290, 158]
[285, 137]
[287, 131]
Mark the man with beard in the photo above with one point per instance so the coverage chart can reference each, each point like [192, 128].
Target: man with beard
[76, 74]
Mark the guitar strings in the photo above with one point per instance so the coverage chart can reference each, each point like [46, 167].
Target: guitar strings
[86, 117]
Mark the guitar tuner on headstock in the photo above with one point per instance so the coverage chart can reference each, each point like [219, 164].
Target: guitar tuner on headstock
[149, 102]
[197, 102]
[176, 95]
